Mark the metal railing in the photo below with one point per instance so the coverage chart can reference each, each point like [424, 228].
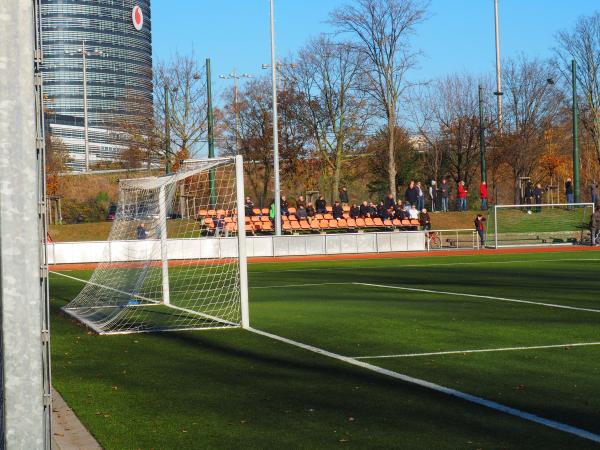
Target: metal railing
[463, 238]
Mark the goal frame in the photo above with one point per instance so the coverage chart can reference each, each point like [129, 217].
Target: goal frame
[164, 256]
[532, 205]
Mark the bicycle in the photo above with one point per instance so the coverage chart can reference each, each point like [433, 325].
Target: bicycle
[433, 240]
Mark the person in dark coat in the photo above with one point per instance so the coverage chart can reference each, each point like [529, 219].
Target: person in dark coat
[389, 201]
[310, 210]
[300, 201]
[594, 192]
[444, 191]
[301, 213]
[284, 206]
[344, 196]
[354, 211]
[425, 220]
[141, 231]
[528, 194]
[480, 228]
[364, 209]
[249, 207]
[337, 211]
[595, 226]
[411, 195]
[538, 192]
[321, 205]
[569, 193]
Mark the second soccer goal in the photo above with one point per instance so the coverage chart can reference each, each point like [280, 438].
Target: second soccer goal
[176, 254]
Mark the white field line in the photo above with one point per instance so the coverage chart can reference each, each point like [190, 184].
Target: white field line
[486, 297]
[438, 388]
[475, 263]
[485, 350]
[296, 285]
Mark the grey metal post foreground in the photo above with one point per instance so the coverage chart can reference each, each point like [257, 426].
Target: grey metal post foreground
[275, 127]
[24, 420]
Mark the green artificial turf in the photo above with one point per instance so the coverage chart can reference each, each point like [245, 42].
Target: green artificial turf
[235, 389]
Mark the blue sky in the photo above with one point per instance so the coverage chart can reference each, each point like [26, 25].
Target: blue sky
[458, 36]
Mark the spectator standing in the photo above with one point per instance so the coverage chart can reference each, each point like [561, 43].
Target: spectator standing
[594, 192]
[321, 205]
[283, 204]
[344, 196]
[444, 194]
[595, 226]
[300, 201]
[462, 196]
[480, 228]
[354, 211]
[310, 210]
[272, 211]
[249, 207]
[337, 211]
[141, 231]
[420, 197]
[569, 191]
[538, 192]
[425, 220]
[528, 193]
[483, 194]
[433, 195]
[411, 194]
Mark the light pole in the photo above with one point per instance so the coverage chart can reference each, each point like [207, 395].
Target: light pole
[482, 137]
[235, 77]
[575, 113]
[498, 92]
[277, 199]
[84, 54]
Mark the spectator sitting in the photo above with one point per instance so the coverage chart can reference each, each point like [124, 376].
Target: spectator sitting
[300, 201]
[344, 196]
[389, 201]
[248, 207]
[338, 211]
[219, 222]
[141, 231]
[321, 205]
[283, 205]
[411, 194]
[310, 210]
[373, 209]
[301, 213]
[364, 210]
[381, 210]
[425, 220]
[413, 213]
[354, 211]
[397, 208]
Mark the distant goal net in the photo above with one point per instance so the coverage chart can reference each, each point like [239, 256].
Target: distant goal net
[538, 225]
[166, 267]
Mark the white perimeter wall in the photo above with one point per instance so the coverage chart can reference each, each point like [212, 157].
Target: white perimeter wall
[322, 244]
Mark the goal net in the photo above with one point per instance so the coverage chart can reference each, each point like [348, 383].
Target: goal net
[176, 257]
[538, 225]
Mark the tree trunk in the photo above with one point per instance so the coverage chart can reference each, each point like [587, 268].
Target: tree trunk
[391, 155]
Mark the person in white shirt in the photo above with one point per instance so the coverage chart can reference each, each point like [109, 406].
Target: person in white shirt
[413, 212]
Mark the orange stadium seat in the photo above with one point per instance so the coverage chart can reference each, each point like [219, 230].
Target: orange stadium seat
[333, 223]
[329, 209]
[360, 223]
[351, 223]
[304, 225]
[342, 223]
[324, 224]
[292, 210]
[328, 216]
[377, 222]
[265, 219]
[256, 211]
[265, 211]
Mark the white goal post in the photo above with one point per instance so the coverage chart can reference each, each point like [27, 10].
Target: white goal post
[538, 224]
[161, 271]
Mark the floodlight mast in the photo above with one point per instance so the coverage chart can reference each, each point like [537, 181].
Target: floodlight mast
[277, 199]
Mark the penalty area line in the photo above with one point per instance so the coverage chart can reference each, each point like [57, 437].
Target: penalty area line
[486, 297]
[584, 434]
[484, 350]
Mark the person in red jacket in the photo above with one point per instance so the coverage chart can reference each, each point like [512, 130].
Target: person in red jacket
[462, 196]
[483, 194]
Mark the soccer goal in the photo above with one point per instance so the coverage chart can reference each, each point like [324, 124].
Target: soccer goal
[168, 267]
[538, 225]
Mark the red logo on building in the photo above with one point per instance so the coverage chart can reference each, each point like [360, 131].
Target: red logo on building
[137, 17]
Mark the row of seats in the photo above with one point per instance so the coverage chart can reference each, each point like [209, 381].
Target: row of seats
[255, 212]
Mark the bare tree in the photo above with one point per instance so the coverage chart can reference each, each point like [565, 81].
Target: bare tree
[382, 31]
[532, 104]
[582, 44]
[185, 80]
[327, 75]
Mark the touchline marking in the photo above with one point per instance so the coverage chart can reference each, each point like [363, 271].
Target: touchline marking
[485, 350]
[477, 263]
[438, 388]
[295, 285]
[488, 297]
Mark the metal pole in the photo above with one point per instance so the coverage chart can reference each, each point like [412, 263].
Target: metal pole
[498, 92]
[24, 418]
[211, 136]
[236, 112]
[275, 126]
[576, 186]
[482, 137]
[168, 166]
[85, 109]
[162, 229]
[241, 215]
